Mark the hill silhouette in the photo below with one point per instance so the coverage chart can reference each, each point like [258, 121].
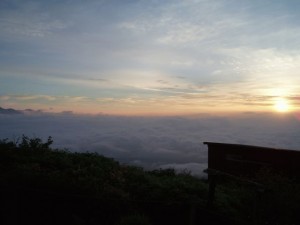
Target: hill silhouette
[9, 111]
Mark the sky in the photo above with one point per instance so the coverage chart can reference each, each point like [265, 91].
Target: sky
[150, 57]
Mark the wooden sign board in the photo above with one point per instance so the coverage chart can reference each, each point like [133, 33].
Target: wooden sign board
[247, 161]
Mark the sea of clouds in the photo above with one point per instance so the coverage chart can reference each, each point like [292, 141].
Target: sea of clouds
[154, 142]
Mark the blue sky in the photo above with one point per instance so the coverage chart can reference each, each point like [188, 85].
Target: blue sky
[149, 57]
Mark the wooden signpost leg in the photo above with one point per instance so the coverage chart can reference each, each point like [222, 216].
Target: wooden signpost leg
[211, 190]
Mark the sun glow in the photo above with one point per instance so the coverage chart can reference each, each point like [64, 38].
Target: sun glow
[281, 105]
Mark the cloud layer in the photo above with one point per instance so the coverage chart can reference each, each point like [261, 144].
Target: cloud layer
[155, 142]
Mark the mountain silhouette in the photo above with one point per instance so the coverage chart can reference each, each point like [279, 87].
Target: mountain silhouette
[9, 111]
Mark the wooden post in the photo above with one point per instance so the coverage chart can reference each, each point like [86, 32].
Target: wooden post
[211, 189]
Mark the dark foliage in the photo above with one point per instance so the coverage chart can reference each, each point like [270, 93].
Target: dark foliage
[88, 182]
[49, 186]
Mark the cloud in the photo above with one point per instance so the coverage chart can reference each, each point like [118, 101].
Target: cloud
[137, 52]
[27, 20]
[155, 142]
[43, 98]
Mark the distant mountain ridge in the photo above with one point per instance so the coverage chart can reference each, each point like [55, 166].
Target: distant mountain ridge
[10, 111]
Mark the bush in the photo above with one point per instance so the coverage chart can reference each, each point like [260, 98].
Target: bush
[135, 219]
[35, 143]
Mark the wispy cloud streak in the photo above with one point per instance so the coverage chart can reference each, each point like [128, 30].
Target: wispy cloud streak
[152, 52]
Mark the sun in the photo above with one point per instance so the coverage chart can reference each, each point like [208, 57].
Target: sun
[282, 105]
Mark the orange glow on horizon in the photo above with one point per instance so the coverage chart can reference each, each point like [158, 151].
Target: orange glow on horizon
[163, 107]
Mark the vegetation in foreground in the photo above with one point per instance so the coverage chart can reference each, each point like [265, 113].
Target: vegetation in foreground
[50, 186]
